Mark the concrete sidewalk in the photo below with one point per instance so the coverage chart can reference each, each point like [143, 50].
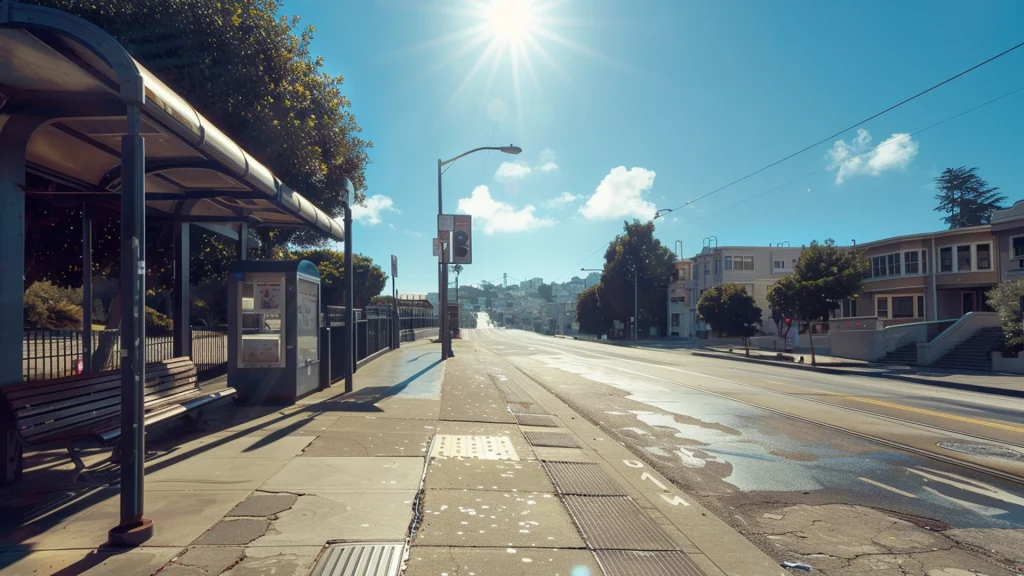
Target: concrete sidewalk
[465, 467]
[986, 382]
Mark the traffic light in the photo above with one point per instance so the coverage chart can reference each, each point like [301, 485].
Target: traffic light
[462, 240]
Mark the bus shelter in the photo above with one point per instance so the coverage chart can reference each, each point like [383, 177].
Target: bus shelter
[79, 111]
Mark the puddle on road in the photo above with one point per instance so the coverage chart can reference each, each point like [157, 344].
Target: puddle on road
[773, 454]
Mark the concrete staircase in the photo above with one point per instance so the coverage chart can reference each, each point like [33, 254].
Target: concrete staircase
[973, 353]
[903, 356]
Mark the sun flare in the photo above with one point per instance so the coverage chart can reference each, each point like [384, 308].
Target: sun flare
[511, 20]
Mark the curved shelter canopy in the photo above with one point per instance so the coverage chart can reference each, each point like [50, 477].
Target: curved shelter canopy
[193, 172]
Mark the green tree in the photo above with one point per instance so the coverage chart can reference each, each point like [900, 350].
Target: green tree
[369, 280]
[636, 251]
[588, 311]
[1005, 298]
[965, 197]
[823, 277]
[546, 292]
[729, 310]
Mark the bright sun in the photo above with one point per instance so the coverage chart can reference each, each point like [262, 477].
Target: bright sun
[511, 20]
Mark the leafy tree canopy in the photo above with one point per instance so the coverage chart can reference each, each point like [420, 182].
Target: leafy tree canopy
[730, 310]
[637, 251]
[1005, 299]
[546, 292]
[369, 280]
[588, 311]
[965, 197]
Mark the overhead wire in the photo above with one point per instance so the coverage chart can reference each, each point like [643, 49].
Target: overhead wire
[848, 128]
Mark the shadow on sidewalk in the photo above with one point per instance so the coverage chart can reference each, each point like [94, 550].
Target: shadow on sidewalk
[47, 495]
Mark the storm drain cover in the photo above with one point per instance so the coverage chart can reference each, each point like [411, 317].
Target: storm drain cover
[553, 439]
[616, 523]
[525, 408]
[480, 447]
[637, 563]
[983, 450]
[582, 478]
[378, 559]
[508, 391]
[536, 420]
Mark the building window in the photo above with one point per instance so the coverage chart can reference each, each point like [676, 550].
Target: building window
[920, 307]
[910, 262]
[924, 261]
[707, 268]
[779, 265]
[743, 262]
[946, 259]
[882, 307]
[893, 261]
[984, 255]
[718, 266]
[675, 320]
[728, 262]
[848, 309]
[1017, 247]
[963, 258]
[903, 307]
[878, 266]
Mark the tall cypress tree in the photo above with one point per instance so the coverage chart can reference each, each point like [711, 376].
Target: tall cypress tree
[966, 197]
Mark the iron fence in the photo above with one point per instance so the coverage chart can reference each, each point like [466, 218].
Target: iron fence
[48, 354]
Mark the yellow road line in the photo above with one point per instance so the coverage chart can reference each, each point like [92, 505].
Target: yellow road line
[937, 414]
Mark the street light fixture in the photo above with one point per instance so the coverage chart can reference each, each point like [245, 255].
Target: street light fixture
[442, 270]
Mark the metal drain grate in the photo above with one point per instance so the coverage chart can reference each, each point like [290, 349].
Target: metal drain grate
[536, 420]
[360, 560]
[637, 563]
[553, 439]
[616, 523]
[481, 447]
[508, 391]
[582, 478]
[525, 408]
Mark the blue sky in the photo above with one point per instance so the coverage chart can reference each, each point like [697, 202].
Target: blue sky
[631, 105]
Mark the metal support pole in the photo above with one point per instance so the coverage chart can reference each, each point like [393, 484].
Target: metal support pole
[180, 305]
[636, 309]
[442, 277]
[86, 290]
[349, 339]
[394, 315]
[243, 240]
[133, 529]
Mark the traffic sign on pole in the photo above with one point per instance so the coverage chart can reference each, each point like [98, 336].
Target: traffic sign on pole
[394, 266]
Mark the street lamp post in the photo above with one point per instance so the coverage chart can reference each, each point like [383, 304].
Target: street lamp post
[442, 271]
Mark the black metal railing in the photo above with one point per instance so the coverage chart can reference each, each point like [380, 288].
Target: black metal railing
[48, 354]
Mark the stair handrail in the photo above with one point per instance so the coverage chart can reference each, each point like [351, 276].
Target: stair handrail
[929, 352]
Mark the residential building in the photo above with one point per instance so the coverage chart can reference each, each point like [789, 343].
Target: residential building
[755, 268]
[680, 314]
[1008, 229]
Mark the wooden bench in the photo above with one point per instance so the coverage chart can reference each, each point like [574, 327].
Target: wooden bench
[85, 410]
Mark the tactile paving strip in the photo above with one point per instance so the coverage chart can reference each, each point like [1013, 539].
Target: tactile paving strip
[481, 447]
[510, 392]
[616, 523]
[526, 408]
[582, 478]
[376, 559]
[642, 563]
[536, 420]
[552, 439]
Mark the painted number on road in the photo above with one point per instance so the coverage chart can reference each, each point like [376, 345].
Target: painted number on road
[673, 499]
[646, 476]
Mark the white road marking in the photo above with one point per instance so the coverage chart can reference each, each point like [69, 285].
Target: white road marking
[646, 476]
[676, 500]
[968, 484]
[887, 487]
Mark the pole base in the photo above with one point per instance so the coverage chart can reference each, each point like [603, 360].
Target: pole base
[131, 533]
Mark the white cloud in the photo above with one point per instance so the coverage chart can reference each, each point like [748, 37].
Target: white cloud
[414, 234]
[546, 161]
[512, 171]
[620, 194]
[392, 226]
[369, 212]
[858, 157]
[496, 216]
[561, 200]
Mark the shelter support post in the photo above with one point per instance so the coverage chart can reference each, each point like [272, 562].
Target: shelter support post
[243, 241]
[349, 340]
[134, 528]
[86, 290]
[180, 306]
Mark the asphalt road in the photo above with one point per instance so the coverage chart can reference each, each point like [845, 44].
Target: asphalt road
[750, 440]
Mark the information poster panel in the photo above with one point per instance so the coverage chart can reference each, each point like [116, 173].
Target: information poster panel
[308, 308]
[269, 294]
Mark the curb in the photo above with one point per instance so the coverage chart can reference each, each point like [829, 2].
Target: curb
[840, 372]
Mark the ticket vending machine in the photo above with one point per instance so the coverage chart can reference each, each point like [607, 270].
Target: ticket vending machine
[273, 330]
